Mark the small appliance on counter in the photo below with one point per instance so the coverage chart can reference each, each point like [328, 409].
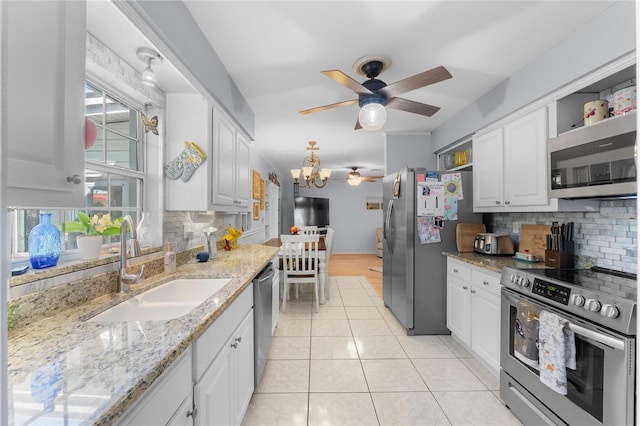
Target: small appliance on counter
[491, 243]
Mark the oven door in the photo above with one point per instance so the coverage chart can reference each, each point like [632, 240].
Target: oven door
[600, 389]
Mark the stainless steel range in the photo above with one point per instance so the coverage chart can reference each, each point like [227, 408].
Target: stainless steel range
[600, 308]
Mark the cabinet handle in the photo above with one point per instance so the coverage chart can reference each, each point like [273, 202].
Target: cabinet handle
[239, 339]
[497, 202]
[485, 282]
[464, 287]
[192, 413]
[75, 179]
[507, 202]
[473, 291]
[455, 270]
[234, 345]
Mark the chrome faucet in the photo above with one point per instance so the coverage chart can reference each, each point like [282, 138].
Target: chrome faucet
[124, 279]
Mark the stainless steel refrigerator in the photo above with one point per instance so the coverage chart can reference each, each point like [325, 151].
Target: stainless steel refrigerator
[414, 274]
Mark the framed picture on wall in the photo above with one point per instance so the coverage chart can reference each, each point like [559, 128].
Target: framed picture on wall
[256, 211]
[256, 185]
[262, 183]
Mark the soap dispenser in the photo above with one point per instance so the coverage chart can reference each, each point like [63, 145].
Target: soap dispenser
[169, 260]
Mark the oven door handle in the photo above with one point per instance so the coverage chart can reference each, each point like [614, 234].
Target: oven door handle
[598, 337]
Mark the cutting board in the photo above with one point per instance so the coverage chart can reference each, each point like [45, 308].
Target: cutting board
[466, 234]
[534, 239]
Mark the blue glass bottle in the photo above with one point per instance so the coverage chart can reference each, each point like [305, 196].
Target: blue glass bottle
[44, 243]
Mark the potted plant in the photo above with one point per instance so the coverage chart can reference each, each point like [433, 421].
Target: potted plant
[93, 228]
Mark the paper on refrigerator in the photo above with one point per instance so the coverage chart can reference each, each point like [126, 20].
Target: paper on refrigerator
[430, 198]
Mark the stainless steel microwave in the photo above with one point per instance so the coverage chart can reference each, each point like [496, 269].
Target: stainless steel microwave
[595, 161]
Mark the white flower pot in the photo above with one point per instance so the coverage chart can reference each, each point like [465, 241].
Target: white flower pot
[89, 246]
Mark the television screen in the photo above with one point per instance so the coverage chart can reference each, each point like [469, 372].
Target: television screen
[310, 211]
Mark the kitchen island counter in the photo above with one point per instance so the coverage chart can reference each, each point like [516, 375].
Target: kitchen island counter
[64, 370]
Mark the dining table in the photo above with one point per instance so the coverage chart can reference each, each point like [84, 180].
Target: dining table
[323, 277]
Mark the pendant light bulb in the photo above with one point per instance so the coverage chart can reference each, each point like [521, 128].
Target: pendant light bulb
[148, 77]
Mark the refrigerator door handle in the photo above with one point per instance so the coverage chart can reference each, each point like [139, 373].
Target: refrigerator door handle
[387, 227]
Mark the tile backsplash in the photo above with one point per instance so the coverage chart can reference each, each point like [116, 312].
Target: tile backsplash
[606, 238]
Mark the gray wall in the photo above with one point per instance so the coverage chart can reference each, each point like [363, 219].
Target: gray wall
[569, 60]
[408, 150]
[355, 226]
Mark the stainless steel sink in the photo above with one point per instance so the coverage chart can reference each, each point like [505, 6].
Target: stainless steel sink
[167, 301]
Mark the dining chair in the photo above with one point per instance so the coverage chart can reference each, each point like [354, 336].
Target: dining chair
[299, 263]
[308, 230]
[328, 241]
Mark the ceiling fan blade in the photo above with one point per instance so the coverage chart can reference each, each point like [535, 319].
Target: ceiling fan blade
[357, 126]
[348, 82]
[412, 106]
[415, 82]
[325, 107]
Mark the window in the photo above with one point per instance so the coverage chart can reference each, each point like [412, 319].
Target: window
[114, 172]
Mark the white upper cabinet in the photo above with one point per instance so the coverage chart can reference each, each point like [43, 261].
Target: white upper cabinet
[221, 182]
[510, 163]
[45, 80]
[230, 187]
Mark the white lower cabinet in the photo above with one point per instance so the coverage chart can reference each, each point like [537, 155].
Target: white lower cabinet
[473, 310]
[168, 400]
[223, 365]
[211, 383]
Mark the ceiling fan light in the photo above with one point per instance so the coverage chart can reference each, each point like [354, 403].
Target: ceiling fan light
[295, 173]
[354, 180]
[372, 116]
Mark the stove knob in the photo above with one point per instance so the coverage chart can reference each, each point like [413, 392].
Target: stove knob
[609, 311]
[577, 300]
[514, 278]
[592, 305]
[524, 282]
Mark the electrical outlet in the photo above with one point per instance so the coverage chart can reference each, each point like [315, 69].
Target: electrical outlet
[516, 227]
[188, 232]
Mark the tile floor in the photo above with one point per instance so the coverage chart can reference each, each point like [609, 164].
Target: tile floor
[353, 364]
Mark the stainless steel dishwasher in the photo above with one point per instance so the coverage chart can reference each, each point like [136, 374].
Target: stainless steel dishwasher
[262, 315]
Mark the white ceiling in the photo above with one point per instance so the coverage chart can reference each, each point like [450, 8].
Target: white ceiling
[275, 50]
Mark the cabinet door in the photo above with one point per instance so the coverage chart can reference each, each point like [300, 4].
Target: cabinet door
[213, 393]
[244, 368]
[243, 182]
[487, 170]
[45, 78]
[485, 329]
[525, 160]
[458, 311]
[223, 173]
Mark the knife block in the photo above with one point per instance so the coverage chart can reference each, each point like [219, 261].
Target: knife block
[563, 259]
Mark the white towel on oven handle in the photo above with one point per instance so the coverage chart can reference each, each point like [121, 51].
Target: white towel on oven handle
[557, 351]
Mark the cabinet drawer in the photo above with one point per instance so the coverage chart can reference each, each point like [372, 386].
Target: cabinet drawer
[213, 339]
[458, 270]
[486, 281]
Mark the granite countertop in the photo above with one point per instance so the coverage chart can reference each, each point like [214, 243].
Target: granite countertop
[62, 370]
[493, 263]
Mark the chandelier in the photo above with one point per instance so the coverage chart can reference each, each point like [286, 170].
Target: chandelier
[312, 174]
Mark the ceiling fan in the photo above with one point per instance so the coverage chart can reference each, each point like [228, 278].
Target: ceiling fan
[374, 94]
[354, 178]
